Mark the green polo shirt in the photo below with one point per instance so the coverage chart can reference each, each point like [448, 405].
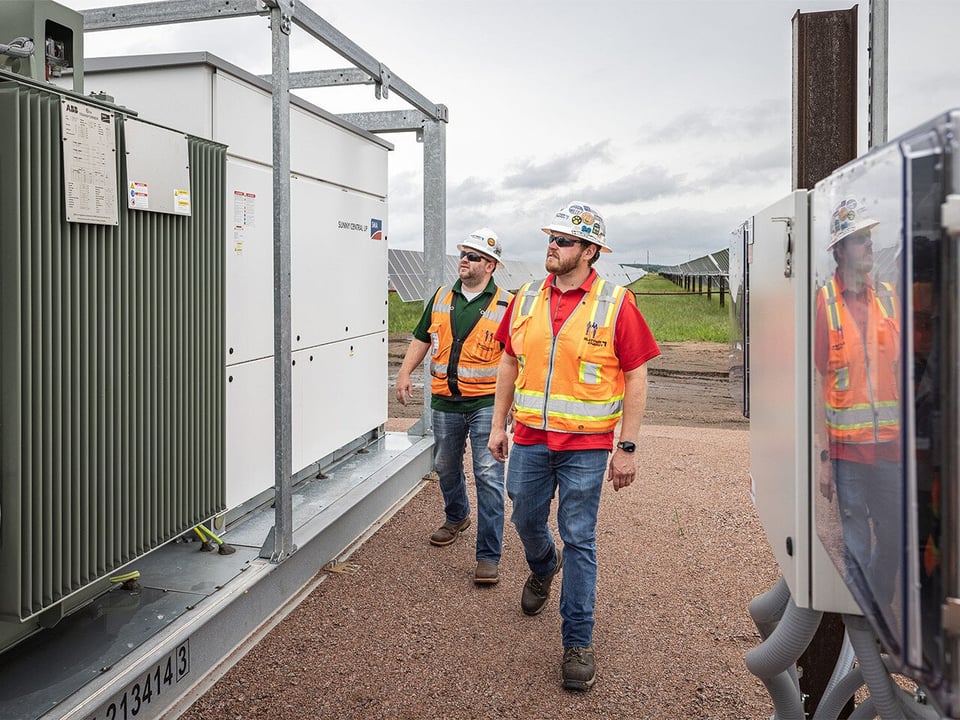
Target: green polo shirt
[465, 315]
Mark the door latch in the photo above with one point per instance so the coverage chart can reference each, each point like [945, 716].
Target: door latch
[788, 250]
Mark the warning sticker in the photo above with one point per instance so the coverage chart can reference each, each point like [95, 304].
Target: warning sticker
[139, 196]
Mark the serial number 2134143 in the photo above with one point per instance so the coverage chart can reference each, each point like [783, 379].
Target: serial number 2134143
[148, 687]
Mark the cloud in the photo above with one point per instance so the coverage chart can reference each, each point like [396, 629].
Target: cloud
[558, 170]
[405, 185]
[471, 192]
[673, 235]
[762, 167]
[715, 125]
[641, 185]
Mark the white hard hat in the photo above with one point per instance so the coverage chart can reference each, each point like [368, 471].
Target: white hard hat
[582, 221]
[485, 241]
[849, 216]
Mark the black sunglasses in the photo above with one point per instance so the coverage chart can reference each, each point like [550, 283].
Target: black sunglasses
[562, 241]
[472, 257]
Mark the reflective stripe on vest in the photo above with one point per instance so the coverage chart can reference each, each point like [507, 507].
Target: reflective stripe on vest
[571, 382]
[863, 416]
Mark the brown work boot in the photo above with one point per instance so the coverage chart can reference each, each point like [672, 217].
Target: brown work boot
[487, 573]
[447, 533]
[579, 668]
[536, 590]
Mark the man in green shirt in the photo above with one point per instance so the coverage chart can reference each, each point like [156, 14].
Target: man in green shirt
[457, 329]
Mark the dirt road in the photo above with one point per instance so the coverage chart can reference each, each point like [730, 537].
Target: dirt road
[688, 386]
[406, 633]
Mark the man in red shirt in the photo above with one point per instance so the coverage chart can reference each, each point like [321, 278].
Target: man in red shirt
[573, 368]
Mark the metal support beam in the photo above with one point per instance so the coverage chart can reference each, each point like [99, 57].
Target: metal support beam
[326, 78]
[167, 12]
[390, 120]
[323, 31]
[280, 18]
[434, 220]
[825, 137]
[878, 58]
[177, 11]
[824, 94]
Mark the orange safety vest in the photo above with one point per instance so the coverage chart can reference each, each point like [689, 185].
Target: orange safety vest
[862, 396]
[571, 382]
[476, 358]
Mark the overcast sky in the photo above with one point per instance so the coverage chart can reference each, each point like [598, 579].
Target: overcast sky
[670, 116]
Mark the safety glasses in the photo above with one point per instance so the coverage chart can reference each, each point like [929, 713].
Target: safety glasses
[472, 257]
[562, 241]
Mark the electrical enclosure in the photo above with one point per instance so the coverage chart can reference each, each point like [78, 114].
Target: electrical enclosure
[778, 258]
[852, 347]
[57, 35]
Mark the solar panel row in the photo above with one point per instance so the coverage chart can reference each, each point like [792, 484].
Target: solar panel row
[716, 263]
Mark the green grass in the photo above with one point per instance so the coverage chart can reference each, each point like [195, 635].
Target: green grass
[403, 316]
[672, 318]
[676, 318]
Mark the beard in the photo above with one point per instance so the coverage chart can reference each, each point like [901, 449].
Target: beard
[471, 274]
[561, 264]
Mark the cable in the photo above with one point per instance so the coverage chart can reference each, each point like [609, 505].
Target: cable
[19, 47]
[132, 575]
[224, 549]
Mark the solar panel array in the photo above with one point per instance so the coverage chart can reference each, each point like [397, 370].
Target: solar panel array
[406, 273]
[715, 264]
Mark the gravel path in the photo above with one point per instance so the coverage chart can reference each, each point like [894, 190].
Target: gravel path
[408, 635]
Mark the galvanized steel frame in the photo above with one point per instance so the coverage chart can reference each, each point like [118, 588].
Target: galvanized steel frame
[878, 71]
[429, 122]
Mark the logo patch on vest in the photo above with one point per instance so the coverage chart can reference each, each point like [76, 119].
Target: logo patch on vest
[590, 335]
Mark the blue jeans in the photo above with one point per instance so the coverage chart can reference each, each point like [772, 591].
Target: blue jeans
[870, 501]
[450, 432]
[533, 476]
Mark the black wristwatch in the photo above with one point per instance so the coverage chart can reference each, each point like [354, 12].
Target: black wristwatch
[627, 446]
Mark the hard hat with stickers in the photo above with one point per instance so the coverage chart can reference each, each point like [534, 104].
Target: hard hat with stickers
[581, 221]
[849, 216]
